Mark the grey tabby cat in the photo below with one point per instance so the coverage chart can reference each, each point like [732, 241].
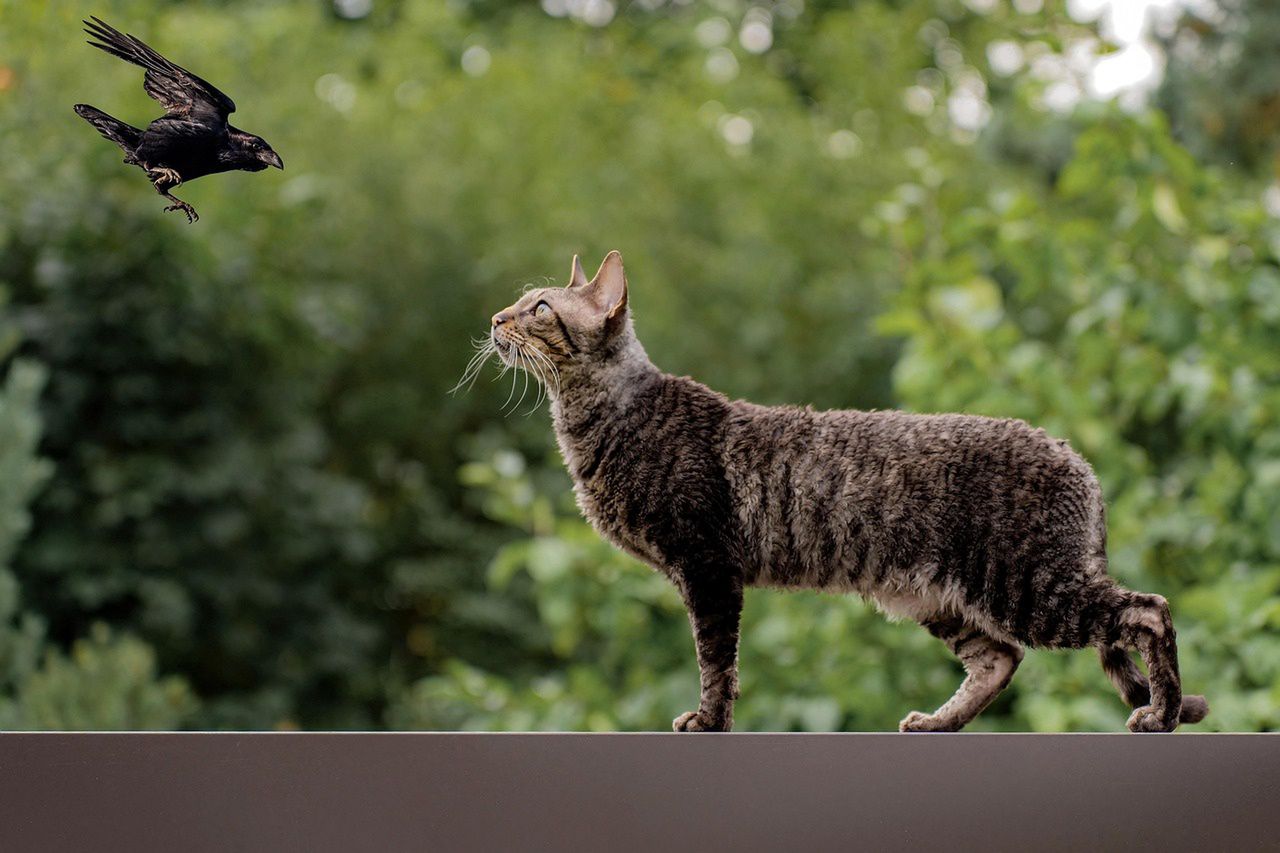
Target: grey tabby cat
[989, 533]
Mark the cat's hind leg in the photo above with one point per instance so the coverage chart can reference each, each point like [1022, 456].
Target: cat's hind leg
[1136, 690]
[1141, 622]
[1145, 625]
[989, 665]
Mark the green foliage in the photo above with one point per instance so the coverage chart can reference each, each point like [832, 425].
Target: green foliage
[1222, 89]
[22, 474]
[1134, 309]
[253, 464]
[106, 682]
[20, 471]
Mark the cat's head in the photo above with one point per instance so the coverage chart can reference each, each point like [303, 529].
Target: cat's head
[558, 332]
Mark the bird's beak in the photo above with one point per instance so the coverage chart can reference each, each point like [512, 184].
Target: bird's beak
[273, 159]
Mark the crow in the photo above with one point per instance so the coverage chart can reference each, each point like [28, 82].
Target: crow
[192, 138]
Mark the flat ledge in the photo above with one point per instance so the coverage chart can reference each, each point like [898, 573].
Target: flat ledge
[616, 792]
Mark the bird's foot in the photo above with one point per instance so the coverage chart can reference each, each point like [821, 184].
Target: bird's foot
[190, 211]
[164, 175]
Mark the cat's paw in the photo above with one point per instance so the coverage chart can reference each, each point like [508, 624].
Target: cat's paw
[918, 721]
[697, 721]
[1147, 719]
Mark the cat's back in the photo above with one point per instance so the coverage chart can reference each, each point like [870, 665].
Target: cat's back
[887, 433]
[918, 452]
[832, 498]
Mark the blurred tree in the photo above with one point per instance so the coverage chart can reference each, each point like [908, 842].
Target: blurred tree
[1221, 86]
[1135, 310]
[255, 457]
[21, 475]
[105, 683]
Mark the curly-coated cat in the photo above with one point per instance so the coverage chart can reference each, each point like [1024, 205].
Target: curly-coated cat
[988, 532]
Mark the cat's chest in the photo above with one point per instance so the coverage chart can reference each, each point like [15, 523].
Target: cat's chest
[612, 519]
[648, 472]
[621, 494]
[629, 487]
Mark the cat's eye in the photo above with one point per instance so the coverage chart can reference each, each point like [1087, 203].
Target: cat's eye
[542, 310]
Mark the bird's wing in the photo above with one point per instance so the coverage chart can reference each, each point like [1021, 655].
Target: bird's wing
[179, 91]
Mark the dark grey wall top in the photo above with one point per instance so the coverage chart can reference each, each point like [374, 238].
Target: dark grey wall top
[486, 792]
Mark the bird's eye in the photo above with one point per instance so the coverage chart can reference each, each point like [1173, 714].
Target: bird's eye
[542, 310]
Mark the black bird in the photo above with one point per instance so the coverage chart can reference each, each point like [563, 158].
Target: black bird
[192, 138]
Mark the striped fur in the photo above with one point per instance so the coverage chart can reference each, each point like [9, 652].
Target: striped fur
[988, 532]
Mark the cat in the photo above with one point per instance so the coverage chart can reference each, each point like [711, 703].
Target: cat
[988, 532]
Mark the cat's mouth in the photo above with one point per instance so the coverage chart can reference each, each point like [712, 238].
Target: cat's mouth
[504, 348]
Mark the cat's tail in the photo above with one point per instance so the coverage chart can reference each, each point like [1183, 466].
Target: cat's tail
[1136, 690]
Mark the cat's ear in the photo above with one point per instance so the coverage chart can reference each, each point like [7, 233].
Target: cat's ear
[577, 277]
[609, 287]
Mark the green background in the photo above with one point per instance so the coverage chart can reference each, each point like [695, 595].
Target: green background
[235, 493]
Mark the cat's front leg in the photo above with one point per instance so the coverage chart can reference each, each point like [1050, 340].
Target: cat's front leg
[714, 602]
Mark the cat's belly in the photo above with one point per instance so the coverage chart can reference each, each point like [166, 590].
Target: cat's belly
[910, 593]
[915, 595]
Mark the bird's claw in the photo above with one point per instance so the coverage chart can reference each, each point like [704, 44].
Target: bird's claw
[190, 211]
[164, 174]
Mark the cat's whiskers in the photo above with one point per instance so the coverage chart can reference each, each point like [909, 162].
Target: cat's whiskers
[514, 376]
[521, 362]
[469, 372]
[543, 380]
[524, 355]
[546, 281]
[485, 348]
[524, 364]
[552, 373]
[529, 367]
[532, 361]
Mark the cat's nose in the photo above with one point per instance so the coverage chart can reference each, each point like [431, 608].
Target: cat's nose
[500, 318]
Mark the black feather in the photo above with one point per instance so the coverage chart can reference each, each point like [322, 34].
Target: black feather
[192, 138]
[178, 90]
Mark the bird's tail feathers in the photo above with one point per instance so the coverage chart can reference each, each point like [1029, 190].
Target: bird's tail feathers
[124, 135]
